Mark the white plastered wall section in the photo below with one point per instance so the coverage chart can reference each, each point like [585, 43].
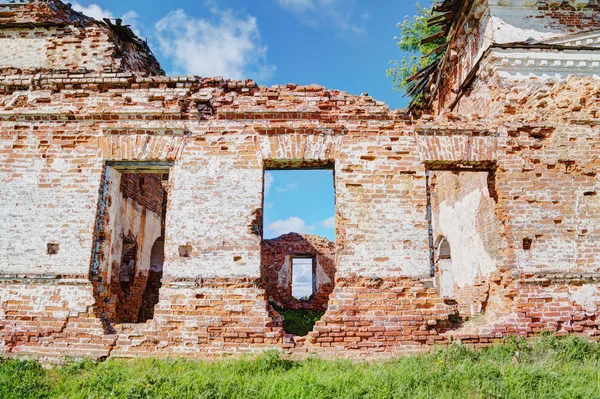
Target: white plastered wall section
[517, 24]
[53, 200]
[385, 234]
[459, 221]
[38, 48]
[23, 52]
[212, 204]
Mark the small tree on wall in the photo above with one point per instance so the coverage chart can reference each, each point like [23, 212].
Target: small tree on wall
[422, 43]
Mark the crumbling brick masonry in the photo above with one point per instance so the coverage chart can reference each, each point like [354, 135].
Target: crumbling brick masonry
[277, 263]
[131, 202]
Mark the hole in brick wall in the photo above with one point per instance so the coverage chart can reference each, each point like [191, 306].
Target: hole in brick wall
[527, 243]
[52, 248]
[129, 253]
[185, 251]
[298, 267]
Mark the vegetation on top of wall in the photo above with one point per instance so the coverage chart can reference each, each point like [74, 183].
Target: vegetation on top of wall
[550, 368]
[417, 55]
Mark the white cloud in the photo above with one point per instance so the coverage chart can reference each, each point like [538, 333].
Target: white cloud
[225, 45]
[288, 187]
[93, 10]
[319, 13]
[297, 5]
[328, 223]
[293, 224]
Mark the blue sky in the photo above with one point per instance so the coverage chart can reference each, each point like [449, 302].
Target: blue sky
[300, 201]
[340, 44]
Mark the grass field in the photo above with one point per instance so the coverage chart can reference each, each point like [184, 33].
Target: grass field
[550, 368]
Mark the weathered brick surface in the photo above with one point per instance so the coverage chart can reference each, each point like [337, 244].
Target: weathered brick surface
[510, 173]
[207, 318]
[50, 36]
[52, 319]
[485, 23]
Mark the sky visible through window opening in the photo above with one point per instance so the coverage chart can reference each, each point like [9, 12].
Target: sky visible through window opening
[302, 278]
[299, 201]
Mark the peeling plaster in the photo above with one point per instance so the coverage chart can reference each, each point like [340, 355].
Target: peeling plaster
[587, 297]
[458, 225]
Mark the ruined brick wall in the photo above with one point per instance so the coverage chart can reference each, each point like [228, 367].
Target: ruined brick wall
[146, 189]
[213, 301]
[50, 319]
[51, 36]
[63, 213]
[217, 162]
[276, 260]
[483, 24]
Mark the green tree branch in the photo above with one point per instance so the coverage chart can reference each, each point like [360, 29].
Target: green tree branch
[412, 31]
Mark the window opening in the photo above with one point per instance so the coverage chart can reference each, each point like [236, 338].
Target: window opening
[303, 278]
[463, 217]
[444, 267]
[298, 262]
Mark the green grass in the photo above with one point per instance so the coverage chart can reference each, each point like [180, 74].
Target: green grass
[550, 368]
[298, 322]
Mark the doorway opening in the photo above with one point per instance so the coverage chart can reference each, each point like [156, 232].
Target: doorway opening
[128, 257]
[298, 248]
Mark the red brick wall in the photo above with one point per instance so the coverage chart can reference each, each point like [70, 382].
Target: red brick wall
[214, 301]
[146, 189]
